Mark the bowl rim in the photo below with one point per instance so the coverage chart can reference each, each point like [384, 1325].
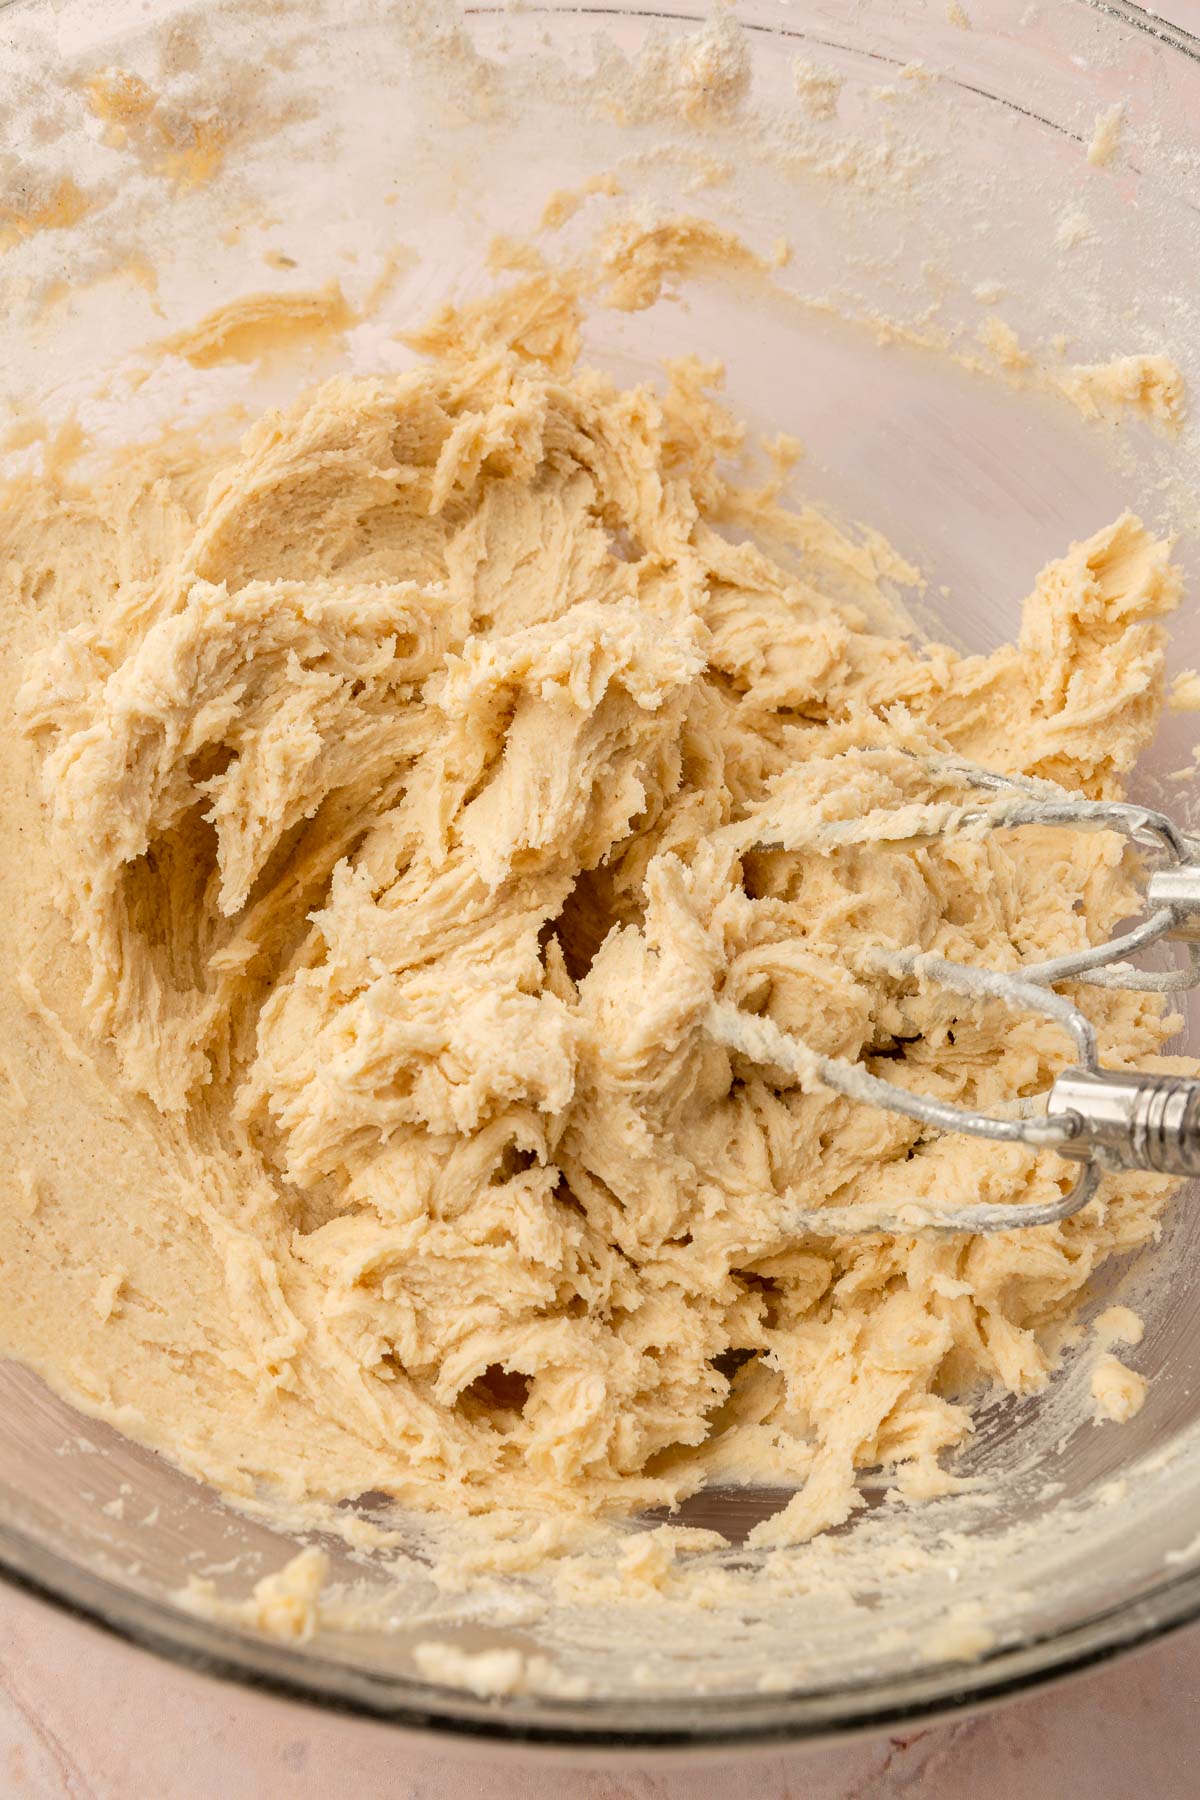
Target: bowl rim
[248, 1659]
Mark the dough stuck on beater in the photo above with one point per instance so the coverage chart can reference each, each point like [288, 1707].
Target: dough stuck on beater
[371, 867]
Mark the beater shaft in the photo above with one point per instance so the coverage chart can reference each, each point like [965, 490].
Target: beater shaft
[1130, 1120]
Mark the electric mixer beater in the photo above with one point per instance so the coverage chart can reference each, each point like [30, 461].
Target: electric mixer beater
[1104, 1119]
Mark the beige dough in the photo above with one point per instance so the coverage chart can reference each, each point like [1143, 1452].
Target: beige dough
[377, 805]
[1118, 1392]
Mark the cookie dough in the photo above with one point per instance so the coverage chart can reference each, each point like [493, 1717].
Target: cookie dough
[1119, 1393]
[378, 810]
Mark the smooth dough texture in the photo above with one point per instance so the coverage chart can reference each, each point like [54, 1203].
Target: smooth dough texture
[379, 811]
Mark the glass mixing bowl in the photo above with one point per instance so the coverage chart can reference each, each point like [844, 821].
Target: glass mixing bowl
[930, 170]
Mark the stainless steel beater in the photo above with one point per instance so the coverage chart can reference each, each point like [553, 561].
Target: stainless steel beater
[1104, 1119]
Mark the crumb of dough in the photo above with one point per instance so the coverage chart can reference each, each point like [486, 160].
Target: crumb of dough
[817, 87]
[391, 791]
[1118, 1325]
[702, 77]
[1183, 695]
[957, 15]
[564, 203]
[1150, 385]
[29, 206]
[1106, 135]
[495, 1674]
[642, 260]
[962, 1637]
[259, 325]
[1118, 1392]
[1000, 338]
[712, 71]
[282, 1605]
[188, 143]
[119, 99]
